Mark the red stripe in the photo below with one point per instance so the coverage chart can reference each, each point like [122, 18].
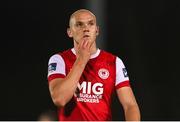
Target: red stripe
[53, 76]
[123, 84]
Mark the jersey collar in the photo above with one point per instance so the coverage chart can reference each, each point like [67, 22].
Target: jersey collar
[92, 56]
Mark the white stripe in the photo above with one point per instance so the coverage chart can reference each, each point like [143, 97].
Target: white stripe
[60, 68]
[92, 56]
[119, 71]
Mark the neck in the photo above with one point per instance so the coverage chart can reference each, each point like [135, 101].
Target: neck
[93, 48]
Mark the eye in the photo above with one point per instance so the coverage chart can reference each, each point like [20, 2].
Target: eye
[79, 24]
[91, 23]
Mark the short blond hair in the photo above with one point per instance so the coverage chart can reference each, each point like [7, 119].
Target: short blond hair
[78, 11]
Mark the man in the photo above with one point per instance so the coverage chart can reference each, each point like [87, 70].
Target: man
[83, 79]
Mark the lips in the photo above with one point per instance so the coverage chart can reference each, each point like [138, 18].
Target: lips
[85, 36]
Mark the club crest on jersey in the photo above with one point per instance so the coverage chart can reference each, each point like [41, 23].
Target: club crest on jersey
[52, 67]
[103, 73]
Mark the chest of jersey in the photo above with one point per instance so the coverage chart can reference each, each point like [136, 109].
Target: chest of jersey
[97, 80]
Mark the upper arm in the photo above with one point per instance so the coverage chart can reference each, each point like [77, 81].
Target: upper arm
[126, 97]
[122, 78]
[124, 91]
[52, 84]
[56, 72]
[56, 67]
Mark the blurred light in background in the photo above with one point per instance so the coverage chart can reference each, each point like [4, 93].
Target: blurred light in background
[98, 7]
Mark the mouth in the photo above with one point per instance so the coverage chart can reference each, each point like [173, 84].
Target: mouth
[86, 36]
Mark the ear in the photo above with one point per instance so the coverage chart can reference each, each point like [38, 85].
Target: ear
[69, 32]
[97, 31]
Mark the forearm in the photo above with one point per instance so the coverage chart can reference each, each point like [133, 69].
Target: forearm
[132, 113]
[64, 89]
[68, 87]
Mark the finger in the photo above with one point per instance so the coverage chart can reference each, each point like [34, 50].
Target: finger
[81, 44]
[85, 43]
[88, 45]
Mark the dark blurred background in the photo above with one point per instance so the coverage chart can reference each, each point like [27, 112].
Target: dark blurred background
[144, 34]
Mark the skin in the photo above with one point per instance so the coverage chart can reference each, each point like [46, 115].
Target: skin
[83, 30]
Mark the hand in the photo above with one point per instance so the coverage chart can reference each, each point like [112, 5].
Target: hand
[84, 51]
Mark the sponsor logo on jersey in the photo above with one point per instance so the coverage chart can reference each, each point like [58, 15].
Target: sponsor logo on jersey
[88, 92]
[52, 67]
[125, 72]
[103, 73]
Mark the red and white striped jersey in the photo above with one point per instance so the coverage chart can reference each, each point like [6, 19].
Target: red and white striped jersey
[103, 74]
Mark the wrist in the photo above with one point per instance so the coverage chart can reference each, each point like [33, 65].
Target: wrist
[81, 62]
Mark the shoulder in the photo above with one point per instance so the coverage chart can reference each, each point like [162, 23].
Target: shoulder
[65, 52]
[60, 54]
[111, 56]
[106, 53]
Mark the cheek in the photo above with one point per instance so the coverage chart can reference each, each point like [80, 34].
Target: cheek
[77, 37]
[94, 33]
[76, 34]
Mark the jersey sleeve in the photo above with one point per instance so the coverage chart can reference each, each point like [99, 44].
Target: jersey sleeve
[122, 78]
[56, 67]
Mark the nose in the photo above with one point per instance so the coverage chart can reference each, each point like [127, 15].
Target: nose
[85, 28]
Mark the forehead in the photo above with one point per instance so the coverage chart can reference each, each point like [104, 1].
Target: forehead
[83, 16]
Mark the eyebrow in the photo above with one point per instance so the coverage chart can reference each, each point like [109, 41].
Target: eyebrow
[79, 21]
